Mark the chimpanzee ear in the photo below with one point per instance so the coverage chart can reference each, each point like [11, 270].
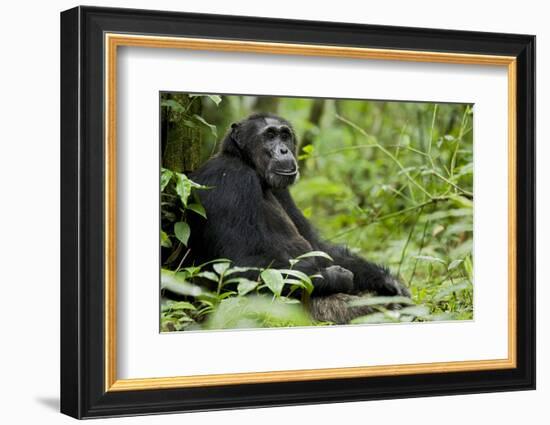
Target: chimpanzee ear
[235, 134]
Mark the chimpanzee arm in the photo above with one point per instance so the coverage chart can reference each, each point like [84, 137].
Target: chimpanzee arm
[367, 276]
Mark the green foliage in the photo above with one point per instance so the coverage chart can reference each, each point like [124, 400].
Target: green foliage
[234, 301]
[391, 180]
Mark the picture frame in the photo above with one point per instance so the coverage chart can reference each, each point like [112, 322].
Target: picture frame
[90, 40]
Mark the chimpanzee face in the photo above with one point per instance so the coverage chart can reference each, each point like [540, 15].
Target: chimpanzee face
[270, 145]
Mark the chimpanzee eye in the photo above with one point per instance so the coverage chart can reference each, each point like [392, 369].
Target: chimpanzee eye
[270, 135]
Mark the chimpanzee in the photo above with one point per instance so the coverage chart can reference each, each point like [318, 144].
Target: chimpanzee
[253, 220]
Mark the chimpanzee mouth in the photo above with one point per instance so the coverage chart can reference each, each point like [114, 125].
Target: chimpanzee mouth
[291, 172]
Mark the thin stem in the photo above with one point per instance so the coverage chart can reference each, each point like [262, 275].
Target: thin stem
[431, 137]
[464, 191]
[419, 251]
[182, 260]
[460, 135]
[407, 242]
[391, 215]
[388, 153]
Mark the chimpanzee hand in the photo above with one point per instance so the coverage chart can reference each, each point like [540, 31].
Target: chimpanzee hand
[335, 279]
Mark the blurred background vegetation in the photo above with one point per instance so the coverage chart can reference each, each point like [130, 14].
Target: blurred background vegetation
[392, 180]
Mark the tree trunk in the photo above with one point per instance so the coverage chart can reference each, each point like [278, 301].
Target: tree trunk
[182, 142]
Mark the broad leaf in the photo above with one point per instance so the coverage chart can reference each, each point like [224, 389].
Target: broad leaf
[212, 127]
[370, 301]
[315, 254]
[274, 280]
[198, 208]
[182, 232]
[215, 98]
[165, 177]
[220, 268]
[183, 187]
[245, 285]
[170, 103]
[209, 275]
[177, 284]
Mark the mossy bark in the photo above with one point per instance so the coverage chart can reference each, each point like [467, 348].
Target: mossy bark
[182, 142]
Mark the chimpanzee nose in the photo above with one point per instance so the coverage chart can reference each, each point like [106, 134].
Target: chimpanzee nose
[283, 151]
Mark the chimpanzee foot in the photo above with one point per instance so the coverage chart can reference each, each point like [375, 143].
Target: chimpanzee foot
[392, 286]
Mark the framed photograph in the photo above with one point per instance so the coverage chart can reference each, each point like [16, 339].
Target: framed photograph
[261, 212]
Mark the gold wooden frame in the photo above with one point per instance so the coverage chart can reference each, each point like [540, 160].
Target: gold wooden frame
[113, 41]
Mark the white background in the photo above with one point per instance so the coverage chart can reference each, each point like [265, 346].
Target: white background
[29, 220]
[141, 345]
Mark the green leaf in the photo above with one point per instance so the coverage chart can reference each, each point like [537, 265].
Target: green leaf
[177, 284]
[240, 270]
[189, 123]
[198, 208]
[308, 148]
[463, 202]
[296, 273]
[165, 177]
[301, 276]
[215, 98]
[315, 254]
[245, 285]
[416, 310]
[170, 103]
[212, 127]
[369, 301]
[381, 317]
[469, 267]
[300, 284]
[220, 268]
[449, 290]
[165, 240]
[178, 305]
[183, 187]
[209, 275]
[274, 280]
[182, 232]
[429, 259]
[454, 264]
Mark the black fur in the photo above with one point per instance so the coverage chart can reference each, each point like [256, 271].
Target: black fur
[253, 220]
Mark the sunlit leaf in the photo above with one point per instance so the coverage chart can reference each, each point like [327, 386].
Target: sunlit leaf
[208, 275]
[165, 240]
[165, 177]
[449, 290]
[220, 268]
[183, 187]
[215, 98]
[177, 284]
[315, 254]
[245, 285]
[429, 259]
[454, 264]
[370, 301]
[274, 280]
